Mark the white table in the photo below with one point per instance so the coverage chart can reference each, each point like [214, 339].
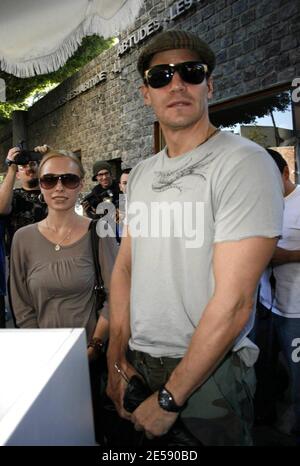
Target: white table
[45, 396]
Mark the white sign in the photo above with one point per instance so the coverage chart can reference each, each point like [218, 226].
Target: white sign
[99, 77]
[153, 26]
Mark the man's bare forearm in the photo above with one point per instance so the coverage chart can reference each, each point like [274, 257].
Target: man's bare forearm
[119, 315]
[285, 256]
[119, 325]
[6, 190]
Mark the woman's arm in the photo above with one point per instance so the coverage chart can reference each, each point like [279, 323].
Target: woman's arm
[107, 255]
[99, 338]
[25, 314]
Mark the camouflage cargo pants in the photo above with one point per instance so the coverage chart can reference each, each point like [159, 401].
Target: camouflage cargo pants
[220, 412]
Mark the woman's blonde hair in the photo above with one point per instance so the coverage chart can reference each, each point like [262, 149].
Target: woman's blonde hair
[53, 154]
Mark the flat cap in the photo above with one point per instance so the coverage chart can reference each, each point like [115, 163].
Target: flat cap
[176, 39]
[100, 165]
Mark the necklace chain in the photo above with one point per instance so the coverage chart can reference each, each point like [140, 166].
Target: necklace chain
[57, 246]
[216, 130]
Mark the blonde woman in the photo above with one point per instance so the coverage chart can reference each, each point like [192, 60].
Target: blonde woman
[52, 267]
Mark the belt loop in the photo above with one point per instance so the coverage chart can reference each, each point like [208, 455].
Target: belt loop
[161, 360]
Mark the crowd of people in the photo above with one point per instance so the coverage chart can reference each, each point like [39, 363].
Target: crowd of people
[179, 303]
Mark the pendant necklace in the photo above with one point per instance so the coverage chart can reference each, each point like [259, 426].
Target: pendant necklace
[57, 246]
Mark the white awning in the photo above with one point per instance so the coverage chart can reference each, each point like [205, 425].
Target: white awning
[38, 36]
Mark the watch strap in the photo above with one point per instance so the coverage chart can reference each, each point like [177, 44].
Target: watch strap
[9, 162]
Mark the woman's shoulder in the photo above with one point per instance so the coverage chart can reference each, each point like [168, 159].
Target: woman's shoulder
[25, 237]
[27, 231]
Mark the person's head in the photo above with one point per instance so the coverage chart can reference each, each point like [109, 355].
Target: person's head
[124, 179]
[284, 170]
[61, 178]
[102, 173]
[176, 69]
[28, 175]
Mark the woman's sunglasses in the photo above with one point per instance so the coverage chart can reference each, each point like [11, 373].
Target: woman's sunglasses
[69, 180]
[192, 72]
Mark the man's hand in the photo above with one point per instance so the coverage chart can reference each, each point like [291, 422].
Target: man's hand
[87, 207]
[151, 418]
[42, 149]
[117, 385]
[12, 153]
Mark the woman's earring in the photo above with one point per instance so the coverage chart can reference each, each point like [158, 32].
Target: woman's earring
[41, 198]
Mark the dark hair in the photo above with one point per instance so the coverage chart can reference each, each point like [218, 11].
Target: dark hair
[126, 171]
[278, 159]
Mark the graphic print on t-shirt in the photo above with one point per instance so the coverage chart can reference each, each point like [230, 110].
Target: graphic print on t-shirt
[164, 180]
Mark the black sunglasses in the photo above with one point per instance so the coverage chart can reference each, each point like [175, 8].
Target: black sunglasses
[69, 180]
[192, 72]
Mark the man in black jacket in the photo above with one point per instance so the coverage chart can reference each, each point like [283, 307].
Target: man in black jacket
[107, 189]
[21, 206]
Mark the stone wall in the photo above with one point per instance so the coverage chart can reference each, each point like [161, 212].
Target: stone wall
[257, 46]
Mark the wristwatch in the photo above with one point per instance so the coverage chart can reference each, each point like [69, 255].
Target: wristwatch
[166, 401]
[9, 162]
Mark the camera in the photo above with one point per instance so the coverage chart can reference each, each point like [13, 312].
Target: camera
[25, 156]
[95, 199]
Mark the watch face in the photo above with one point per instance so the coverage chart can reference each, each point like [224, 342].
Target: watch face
[166, 401]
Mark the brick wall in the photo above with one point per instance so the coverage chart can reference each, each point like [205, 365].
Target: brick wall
[257, 46]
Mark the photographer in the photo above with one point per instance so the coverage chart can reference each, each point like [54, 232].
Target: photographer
[22, 206]
[106, 189]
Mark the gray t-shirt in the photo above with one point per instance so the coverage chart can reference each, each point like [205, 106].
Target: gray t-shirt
[227, 189]
[54, 289]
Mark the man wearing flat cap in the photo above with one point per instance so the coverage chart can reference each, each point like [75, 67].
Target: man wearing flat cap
[107, 189]
[184, 284]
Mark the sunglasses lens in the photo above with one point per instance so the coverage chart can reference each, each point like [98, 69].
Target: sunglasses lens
[159, 76]
[48, 181]
[69, 180]
[190, 72]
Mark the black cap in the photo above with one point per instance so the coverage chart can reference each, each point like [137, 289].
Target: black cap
[100, 165]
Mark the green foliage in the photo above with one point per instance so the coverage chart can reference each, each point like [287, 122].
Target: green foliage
[18, 89]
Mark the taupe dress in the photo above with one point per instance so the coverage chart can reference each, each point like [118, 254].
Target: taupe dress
[54, 289]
